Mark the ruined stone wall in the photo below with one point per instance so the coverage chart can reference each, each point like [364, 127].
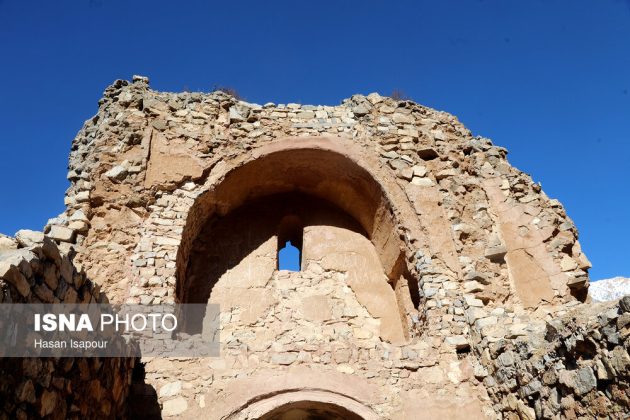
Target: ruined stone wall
[573, 366]
[478, 258]
[33, 270]
[146, 152]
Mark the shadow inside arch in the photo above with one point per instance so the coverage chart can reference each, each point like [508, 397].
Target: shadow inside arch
[304, 404]
[310, 410]
[142, 402]
[224, 242]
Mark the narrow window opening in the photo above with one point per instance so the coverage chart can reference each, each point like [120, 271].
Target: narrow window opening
[290, 234]
[289, 258]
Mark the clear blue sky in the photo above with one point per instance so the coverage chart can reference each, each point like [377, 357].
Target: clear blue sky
[289, 257]
[549, 80]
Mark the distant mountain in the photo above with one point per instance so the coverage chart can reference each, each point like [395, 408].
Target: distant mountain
[609, 289]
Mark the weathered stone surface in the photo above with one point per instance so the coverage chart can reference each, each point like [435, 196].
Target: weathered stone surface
[562, 344]
[476, 276]
[174, 407]
[12, 275]
[168, 165]
[238, 114]
[140, 79]
[567, 263]
[529, 278]
[48, 403]
[317, 308]
[26, 392]
[429, 266]
[171, 389]
[7, 242]
[284, 358]
[44, 293]
[422, 182]
[496, 253]
[581, 380]
[118, 173]
[60, 233]
[159, 125]
[37, 388]
[27, 238]
[458, 341]
[360, 110]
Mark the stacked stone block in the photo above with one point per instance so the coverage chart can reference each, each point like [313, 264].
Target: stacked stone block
[496, 262]
[34, 270]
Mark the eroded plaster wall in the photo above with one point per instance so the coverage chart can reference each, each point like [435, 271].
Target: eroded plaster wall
[492, 258]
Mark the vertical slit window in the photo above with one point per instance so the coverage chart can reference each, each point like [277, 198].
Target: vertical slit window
[290, 234]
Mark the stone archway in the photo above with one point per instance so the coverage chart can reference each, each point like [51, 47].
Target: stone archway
[351, 303]
[270, 394]
[309, 410]
[305, 405]
[331, 171]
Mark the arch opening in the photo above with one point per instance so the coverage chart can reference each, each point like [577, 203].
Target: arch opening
[310, 410]
[289, 189]
[243, 245]
[303, 404]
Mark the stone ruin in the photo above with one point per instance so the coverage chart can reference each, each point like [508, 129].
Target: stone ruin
[436, 280]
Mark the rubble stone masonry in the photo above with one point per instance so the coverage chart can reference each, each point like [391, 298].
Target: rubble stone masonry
[436, 281]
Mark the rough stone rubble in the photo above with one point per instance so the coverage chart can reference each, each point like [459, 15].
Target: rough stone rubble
[33, 270]
[497, 327]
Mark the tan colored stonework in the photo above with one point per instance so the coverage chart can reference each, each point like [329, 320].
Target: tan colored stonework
[426, 258]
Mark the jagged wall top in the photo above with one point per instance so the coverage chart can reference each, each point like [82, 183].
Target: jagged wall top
[504, 239]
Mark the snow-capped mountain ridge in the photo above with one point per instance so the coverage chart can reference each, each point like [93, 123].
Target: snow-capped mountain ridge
[609, 289]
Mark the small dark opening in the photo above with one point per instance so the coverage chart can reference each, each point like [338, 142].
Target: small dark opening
[414, 290]
[290, 233]
[462, 352]
[579, 294]
[603, 384]
[585, 349]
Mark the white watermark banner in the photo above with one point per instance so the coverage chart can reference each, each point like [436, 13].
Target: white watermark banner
[99, 330]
